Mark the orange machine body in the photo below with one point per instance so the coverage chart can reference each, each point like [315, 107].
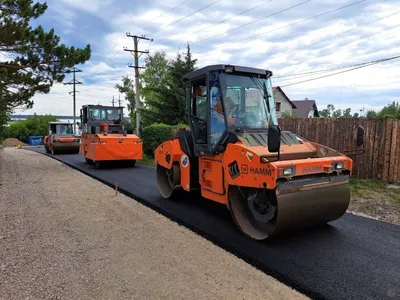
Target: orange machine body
[252, 168]
[111, 147]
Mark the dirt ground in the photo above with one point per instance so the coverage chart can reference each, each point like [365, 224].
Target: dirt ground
[64, 235]
[12, 142]
[376, 209]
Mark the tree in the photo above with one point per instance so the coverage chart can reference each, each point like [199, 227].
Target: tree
[35, 125]
[391, 111]
[168, 106]
[36, 59]
[356, 115]
[127, 88]
[347, 113]
[155, 73]
[327, 112]
[337, 113]
[371, 114]
[330, 108]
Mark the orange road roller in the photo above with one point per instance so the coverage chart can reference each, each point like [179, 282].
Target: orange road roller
[61, 139]
[104, 138]
[272, 181]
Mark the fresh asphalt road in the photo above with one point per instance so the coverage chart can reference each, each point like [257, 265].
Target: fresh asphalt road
[351, 258]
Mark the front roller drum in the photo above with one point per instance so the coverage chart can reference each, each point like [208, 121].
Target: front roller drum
[65, 148]
[168, 180]
[276, 214]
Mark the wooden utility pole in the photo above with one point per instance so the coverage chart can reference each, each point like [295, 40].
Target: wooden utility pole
[74, 82]
[136, 54]
[119, 100]
[113, 101]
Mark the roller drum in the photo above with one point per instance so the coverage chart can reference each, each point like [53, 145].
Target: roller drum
[291, 211]
[71, 147]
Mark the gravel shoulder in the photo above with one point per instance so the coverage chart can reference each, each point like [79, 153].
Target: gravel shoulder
[64, 235]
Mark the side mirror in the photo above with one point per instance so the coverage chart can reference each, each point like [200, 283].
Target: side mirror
[274, 138]
[360, 136]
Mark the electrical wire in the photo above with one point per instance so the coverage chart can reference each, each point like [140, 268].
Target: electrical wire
[185, 17]
[223, 21]
[253, 22]
[143, 24]
[345, 71]
[342, 33]
[164, 13]
[294, 23]
[346, 44]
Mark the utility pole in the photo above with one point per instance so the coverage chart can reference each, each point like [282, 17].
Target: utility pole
[113, 102]
[119, 100]
[136, 54]
[74, 82]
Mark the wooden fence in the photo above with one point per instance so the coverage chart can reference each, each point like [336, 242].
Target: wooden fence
[381, 159]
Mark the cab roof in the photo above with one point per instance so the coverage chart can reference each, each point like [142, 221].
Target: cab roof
[236, 69]
[102, 106]
[61, 123]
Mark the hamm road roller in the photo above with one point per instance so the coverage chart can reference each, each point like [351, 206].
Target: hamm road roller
[104, 138]
[61, 139]
[272, 181]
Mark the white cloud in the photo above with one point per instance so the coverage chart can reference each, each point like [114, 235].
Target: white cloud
[284, 50]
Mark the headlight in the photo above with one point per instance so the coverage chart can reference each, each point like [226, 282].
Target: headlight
[339, 165]
[287, 171]
[55, 140]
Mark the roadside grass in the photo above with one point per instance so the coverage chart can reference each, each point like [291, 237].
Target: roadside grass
[373, 189]
[147, 161]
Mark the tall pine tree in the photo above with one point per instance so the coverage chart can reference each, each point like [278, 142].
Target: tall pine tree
[36, 59]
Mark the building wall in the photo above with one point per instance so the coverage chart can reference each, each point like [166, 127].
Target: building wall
[285, 105]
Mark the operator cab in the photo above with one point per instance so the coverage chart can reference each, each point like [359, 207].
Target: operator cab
[60, 128]
[97, 119]
[226, 102]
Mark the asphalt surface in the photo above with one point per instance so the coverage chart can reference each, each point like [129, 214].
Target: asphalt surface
[351, 258]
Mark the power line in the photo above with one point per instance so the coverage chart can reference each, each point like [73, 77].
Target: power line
[185, 17]
[345, 71]
[325, 70]
[294, 23]
[348, 44]
[164, 13]
[255, 21]
[342, 33]
[223, 21]
[143, 24]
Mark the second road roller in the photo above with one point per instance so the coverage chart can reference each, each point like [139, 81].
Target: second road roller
[271, 181]
[104, 138]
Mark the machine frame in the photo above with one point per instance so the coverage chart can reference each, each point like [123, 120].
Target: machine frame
[277, 180]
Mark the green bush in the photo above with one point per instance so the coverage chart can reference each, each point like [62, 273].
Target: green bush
[33, 126]
[153, 135]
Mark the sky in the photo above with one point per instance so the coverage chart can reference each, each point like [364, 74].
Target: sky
[288, 37]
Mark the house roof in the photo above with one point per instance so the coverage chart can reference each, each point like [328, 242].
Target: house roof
[274, 88]
[304, 107]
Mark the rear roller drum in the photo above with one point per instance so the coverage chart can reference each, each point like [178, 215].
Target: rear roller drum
[168, 180]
